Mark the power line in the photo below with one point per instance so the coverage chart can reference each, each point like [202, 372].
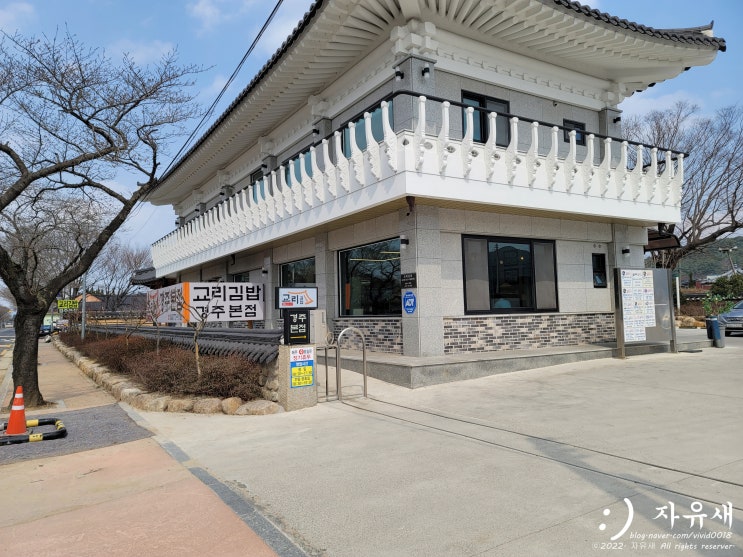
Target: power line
[225, 87]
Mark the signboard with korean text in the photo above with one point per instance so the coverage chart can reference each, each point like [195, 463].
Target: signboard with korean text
[68, 304]
[638, 302]
[644, 306]
[408, 280]
[190, 302]
[302, 366]
[296, 326]
[303, 297]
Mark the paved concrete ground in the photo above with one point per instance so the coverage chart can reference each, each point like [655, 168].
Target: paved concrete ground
[123, 498]
[530, 463]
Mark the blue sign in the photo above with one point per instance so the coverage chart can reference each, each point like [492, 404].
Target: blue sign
[408, 302]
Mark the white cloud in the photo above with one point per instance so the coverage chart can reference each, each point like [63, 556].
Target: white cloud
[209, 92]
[209, 13]
[15, 15]
[143, 52]
[279, 30]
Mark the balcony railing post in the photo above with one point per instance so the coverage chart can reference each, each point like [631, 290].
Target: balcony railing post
[313, 179]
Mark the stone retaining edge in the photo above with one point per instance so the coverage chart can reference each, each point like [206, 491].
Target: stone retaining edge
[125, 390]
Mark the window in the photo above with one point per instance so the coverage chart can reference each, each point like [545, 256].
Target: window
[370, 279]
[298, 273]
[480, 119]
[359, 131]
[293, 170]
[505, 275]
[599, 270]
[256, 179]
[580, 129]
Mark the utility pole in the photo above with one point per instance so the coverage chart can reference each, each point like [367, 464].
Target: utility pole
[730, 257]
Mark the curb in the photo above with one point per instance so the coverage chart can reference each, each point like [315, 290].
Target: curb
[123, 389]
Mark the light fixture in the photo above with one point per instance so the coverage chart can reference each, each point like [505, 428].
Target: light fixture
[264, 271]
[625, 251]
[404, 242]
[617, 119]
[399, 74]
[426, 71]
[315, 132]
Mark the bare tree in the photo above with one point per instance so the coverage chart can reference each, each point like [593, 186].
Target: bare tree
[712, 198]
[71, 120]
[111, 273]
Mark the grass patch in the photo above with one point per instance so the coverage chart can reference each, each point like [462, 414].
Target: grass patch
[173, 370]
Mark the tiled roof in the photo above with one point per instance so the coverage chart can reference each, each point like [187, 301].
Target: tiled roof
[696, 35]
[693, 35]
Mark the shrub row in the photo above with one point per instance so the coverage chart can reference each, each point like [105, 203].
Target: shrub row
[172, 370]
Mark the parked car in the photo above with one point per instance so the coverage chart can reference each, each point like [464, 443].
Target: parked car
[733, 319]
[45, 330]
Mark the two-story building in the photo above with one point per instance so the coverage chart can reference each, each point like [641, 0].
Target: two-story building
[450, 174]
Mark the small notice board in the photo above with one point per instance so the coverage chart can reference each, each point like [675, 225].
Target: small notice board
[302, 366]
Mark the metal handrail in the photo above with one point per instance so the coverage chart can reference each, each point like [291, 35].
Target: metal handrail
[338, 359]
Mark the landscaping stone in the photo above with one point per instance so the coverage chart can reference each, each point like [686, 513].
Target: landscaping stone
[230, 405]
[180, 405]
[129, 394]
[259, 408]
[208, 406]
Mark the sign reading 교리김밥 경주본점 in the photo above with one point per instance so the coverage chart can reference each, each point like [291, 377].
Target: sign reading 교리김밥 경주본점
[190, 302]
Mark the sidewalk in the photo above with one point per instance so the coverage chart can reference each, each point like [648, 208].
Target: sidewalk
[128, 499]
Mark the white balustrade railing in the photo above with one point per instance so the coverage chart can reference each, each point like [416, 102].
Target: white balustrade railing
[275, 208]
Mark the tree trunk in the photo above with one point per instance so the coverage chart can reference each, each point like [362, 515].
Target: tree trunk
[25, 355]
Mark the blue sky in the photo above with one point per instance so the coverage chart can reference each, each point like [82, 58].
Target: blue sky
[216, 33]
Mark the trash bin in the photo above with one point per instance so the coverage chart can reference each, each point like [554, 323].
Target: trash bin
[708, 323]
[720, 342]
[718, 338]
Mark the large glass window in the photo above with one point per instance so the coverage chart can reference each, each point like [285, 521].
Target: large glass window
[480, 119]
[298, 273]
[370, 279]
[509, 275]
[359, 130]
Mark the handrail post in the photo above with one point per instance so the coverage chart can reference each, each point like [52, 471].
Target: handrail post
[338, 358]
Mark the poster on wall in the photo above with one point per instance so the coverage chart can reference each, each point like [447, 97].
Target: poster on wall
[190, 302]
[638, 303]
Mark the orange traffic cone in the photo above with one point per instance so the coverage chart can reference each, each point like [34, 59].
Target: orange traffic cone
[17, 420]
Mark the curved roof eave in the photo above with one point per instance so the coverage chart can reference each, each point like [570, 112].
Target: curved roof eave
[696, 37]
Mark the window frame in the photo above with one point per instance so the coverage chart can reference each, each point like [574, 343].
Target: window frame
[342, 289]
[580, 131]
[482, 101]
[599, 274]
[534, 308]
[294, 285]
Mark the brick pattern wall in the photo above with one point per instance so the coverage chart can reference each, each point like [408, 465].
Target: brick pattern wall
[381, 334]
[514, 332]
